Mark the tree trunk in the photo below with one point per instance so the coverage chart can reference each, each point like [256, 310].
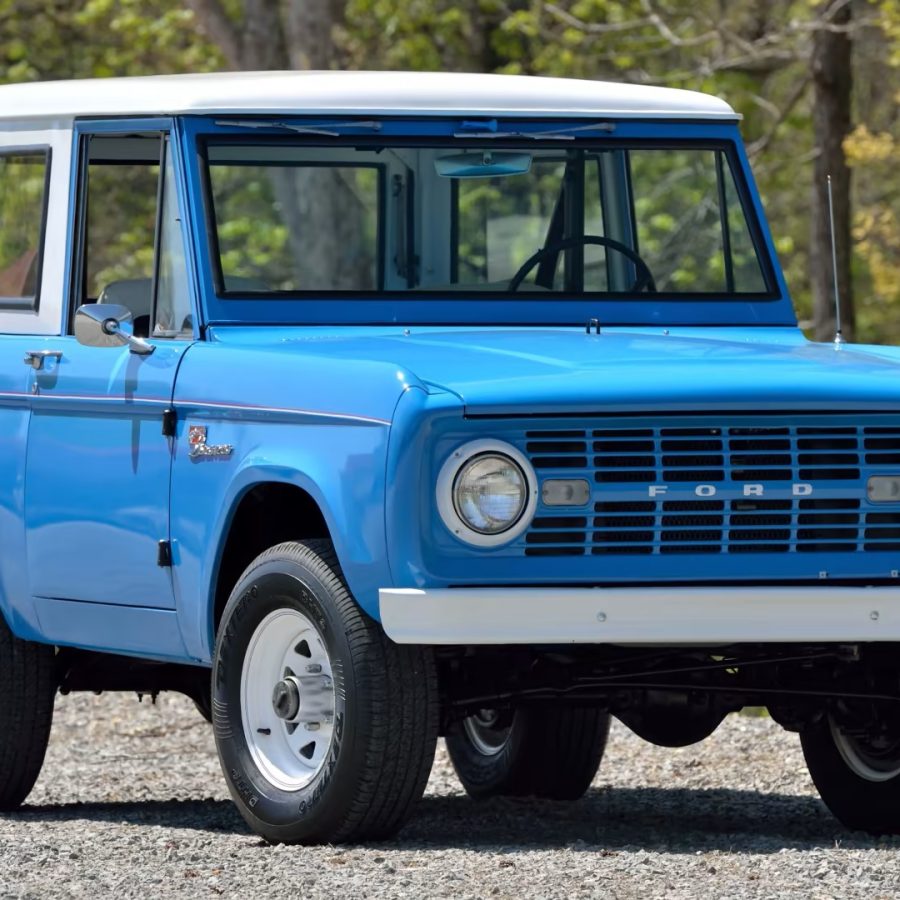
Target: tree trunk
[831, 75]
[272, 34]
[320, 214]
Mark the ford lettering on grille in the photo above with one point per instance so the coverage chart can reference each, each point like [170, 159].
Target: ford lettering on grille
[746, 490]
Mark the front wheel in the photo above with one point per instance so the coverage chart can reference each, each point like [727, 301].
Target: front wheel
[325, 728]
[857, 775]
[553, 753]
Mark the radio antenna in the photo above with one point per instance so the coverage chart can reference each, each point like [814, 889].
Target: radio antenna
[838, 337]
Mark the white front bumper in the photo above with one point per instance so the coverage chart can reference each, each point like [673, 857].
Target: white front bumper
[707, 615]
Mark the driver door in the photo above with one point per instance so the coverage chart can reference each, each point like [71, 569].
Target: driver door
[98, 461]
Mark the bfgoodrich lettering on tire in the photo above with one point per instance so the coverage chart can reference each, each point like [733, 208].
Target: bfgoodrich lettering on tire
[325, 728]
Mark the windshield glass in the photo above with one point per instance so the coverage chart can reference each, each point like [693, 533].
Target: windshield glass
[625, 221]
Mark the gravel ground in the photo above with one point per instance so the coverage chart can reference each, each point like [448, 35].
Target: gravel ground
[131, 803]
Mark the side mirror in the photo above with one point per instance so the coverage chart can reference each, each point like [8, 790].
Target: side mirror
[108, 325]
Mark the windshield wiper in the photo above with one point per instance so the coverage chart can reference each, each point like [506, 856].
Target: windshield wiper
[322, 128]
[555, 134]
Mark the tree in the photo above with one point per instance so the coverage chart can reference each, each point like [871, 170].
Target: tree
[271, 34]
[52, 39]
[831, 67]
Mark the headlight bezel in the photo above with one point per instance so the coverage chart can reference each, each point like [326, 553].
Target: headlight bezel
[445, 490]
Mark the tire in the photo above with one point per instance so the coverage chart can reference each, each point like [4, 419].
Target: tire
[27, 693]
[532, 751]
[858, 781]
[328, 739]
[204, 707]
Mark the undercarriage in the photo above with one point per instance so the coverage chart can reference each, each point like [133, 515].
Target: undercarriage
[677, 696]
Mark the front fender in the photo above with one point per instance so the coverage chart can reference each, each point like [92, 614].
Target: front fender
[317, 424]
[342, 469]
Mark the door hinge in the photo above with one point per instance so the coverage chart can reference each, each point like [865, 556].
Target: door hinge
[164, 554]
[170, 418]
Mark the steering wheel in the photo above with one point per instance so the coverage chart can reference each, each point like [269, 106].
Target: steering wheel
[644, 279]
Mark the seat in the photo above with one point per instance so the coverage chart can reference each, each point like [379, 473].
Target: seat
[135, 294]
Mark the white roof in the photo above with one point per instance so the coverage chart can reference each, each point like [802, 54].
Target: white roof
[368, 93]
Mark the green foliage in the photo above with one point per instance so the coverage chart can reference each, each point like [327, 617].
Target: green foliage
[415, 34]
[754, 54]
[269, 225]
[22, 181]
[47, 39]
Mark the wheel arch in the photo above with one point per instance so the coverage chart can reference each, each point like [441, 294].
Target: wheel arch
[264, 514]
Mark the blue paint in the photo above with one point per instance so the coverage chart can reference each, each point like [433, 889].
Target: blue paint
[324, 429]
[150, 633]
[15, 598]
[97, 473]
[359, 402]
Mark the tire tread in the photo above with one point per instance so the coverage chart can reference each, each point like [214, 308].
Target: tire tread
[27, 693]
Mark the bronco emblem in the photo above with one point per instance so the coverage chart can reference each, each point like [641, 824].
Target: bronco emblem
[200, 449]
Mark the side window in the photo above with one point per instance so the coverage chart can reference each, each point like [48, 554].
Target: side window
[23, 190]
[132, 248]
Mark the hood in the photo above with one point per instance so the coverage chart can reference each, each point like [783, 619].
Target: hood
[516, 371]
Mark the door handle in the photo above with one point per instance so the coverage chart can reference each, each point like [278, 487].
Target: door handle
[37, 358]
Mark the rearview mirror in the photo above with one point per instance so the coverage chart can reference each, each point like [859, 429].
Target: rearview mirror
[482, 164]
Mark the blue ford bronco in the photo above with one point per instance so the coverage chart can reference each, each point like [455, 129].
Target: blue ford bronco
[369, 408]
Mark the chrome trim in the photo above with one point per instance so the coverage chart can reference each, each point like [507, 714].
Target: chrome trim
[446, 504]
[108, 325]
[213, 406]
[37, 358]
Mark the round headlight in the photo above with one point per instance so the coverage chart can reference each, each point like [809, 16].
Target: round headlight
[490, 493]
[487, 492]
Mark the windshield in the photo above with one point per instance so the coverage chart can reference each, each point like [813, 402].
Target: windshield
[628, 221]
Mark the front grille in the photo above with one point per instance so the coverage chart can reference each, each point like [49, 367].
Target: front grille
[730, 489]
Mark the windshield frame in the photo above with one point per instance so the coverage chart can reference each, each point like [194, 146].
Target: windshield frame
[472, 306]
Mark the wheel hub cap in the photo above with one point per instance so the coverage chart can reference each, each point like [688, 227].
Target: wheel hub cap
[487, 732]
[287, 699]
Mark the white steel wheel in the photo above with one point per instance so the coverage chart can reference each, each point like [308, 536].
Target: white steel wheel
[487, 732]
[287, 699]
[872, 761]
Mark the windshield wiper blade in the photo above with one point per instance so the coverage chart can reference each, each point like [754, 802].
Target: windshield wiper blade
[554, 134]
[321, 128]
